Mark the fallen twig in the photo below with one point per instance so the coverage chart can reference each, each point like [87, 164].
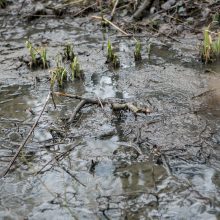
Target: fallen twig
[76, 110]
[27, 137]
[113, 10]
[72, 175]
[115, 106]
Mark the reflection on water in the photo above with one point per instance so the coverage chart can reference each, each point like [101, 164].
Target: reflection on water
[105, 86]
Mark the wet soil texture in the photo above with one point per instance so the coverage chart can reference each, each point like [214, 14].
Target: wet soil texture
[107, 164]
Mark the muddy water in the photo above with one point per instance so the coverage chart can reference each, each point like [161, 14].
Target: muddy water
[100, 174]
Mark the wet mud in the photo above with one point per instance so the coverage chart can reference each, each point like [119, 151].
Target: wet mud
[108, 164]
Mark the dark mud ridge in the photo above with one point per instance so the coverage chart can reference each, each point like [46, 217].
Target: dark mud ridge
[143, 143]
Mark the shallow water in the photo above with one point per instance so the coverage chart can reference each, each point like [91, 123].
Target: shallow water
[101, 175]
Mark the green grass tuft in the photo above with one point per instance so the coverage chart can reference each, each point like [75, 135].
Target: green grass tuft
[137, 52]
[38, 56]
[211, 46]
[112, 58]
[76, 71]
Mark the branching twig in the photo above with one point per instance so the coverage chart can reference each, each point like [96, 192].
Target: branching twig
[98, 101]
[113, 10]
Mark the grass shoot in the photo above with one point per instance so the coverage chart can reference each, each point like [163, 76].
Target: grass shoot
[112, 58]
[33, 54]
[211, 46]
[137, 52]
[38, 56]
[58, 74]
[76, 71]
[43, 55]
[110, 52]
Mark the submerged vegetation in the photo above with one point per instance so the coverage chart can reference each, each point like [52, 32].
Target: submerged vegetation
[38, 56]
[112, 58]
[211, 46]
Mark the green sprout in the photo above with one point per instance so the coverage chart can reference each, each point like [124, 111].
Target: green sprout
[137, 52]
[110, 52]
[68, 52]
[33, 53]
[43, 55]
[211, 46]
[38, 56]
[59, 75]
[3, 3]
[75, 69]
[149, 50]
[112, 58]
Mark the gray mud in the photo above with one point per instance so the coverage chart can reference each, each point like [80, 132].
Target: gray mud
[100, 174]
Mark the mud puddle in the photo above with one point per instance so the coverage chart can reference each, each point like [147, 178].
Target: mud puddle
[92, 170]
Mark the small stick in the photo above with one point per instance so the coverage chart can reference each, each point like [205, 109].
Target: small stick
[113, 10]
[76, 110]
[100, 102]
[53, 100]
[72, 175]
[27, 137]
[115, 26]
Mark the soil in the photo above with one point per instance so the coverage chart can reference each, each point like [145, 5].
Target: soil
[107, 164]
